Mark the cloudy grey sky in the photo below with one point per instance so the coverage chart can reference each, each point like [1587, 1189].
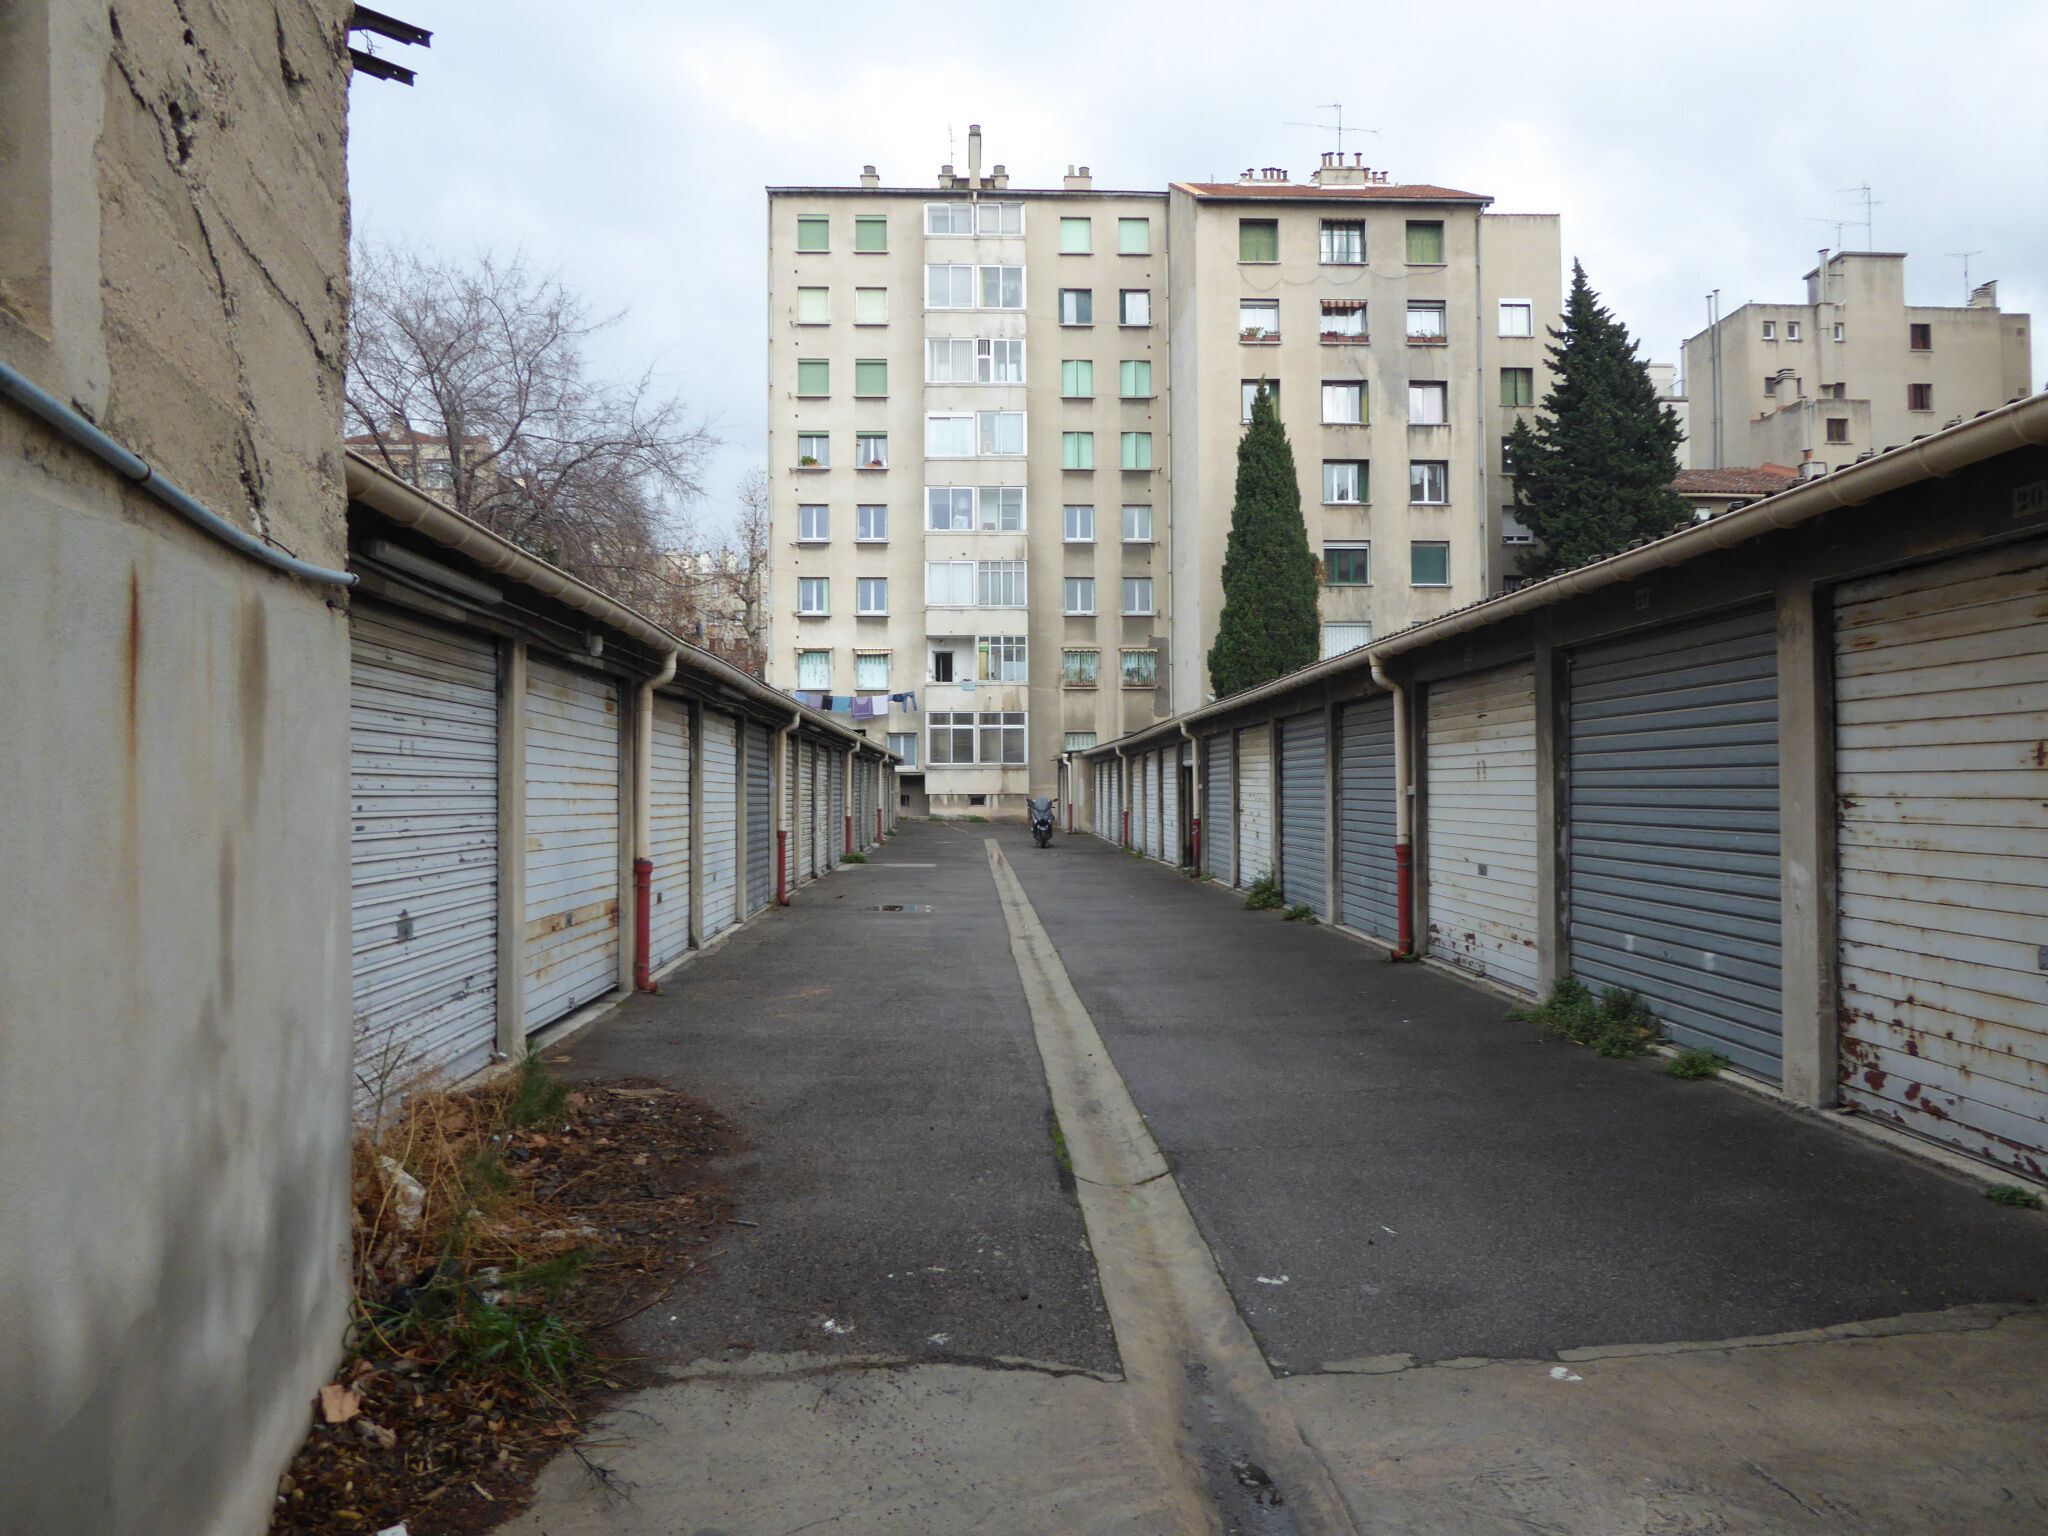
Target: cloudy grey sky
[1687, 146]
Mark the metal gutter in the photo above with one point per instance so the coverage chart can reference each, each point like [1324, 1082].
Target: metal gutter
[75, 429]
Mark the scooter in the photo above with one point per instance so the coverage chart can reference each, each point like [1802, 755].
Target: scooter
[1041, 822]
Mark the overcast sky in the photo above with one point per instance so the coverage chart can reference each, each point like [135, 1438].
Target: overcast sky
[1687, 147]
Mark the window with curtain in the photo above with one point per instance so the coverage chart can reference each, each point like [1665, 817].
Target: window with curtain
[1517, 317]
[1343, 481]
[949, 437]
[1248, 392]
[813, 524]
[813, 596]
[949, 360]
[999, 219]
[871, 450]
[1425, 242]
[1344, 402]
[1426, 404]
[813, 450]
[1342, 243]
[1425, 320]
[814, 670]
[1140, 669]
[1518, 386]
[1078, 669]
[871, 671]
[999, 361]
[1136, 306]
[1344, 317]
[1258, 319]
[1002, 287]
[871, 524]
[949, 508]
[949, 583]
[1003, 658]
[949, 218]
[1429, 482]
[948, 287]
[1258, 240]
[1077, 306]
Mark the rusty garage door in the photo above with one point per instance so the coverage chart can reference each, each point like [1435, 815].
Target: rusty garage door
[1941, 758]
[572, 840]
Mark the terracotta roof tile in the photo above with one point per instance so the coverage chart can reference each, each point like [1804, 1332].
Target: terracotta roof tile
[1759, 481]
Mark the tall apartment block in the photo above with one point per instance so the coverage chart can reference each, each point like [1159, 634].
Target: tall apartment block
[1852, 371]
[1003, 436]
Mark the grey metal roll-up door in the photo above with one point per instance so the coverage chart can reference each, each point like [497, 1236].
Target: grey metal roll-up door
[837, 844]
[721, 840]
[572, 840]
[1941, 712]
[668, 919]
[1254, 804]
[760, 832]
[1304, 742]
[1674, 829]
[1481, 850]
[805, 837]
[1217, 827]
[423, 848]
[1365, 818]
[1169, 808]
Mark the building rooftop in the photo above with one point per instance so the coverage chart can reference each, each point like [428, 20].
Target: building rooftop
[1761, 480]
[1226, 191]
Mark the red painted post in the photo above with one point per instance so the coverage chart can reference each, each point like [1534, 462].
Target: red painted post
[1195, 823]
[878, 823]
[1404, 903]
[782, 867]
[643, 902]
[849, 831]
[1127, 828]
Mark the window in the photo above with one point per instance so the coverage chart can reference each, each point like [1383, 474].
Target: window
[813, 306]
[1791, 330]
[1077, 306]
[949, 583]
[1140, 669]
[870, 306]
[1426, 404]
[1134, 378]
[871, 450]
[814, 669]
[871, 376]
[1517, 317]
[1077, 450]
[997, 361]
[1339, 638]
[949, 508]
[949, 360]
[1343, 482]
[1344, 403]
[1078, 670]
[999, 431]
[1080, 741]
[1425, 320]
[1347, 565]
[1770, 330]
[1137, 450]
[952, 738]
[1919, 397]
[1512, 529]
[1002, 737]
[1077, 378]
[948, 287]
[1834, 391]
[871, 671]
[949, 437]
[871, 596]
[1920, 338]
[1258, 240]
[904, 745]
[1343, 243]
[1429, 482]
[813, 524]
[1838, 429]
[1077, 237]
[1771, 385]
[1425, 242]
[1002, 287]
[871, 524]
[1248, 392]
[1518, 386]
[1000, 584]
[1135, 306]
[1841, 331]
[1080, 528]
[1429, 564]
[1344, 317]
[1080, 594]
[1002, 508]
[999, 219]
[813, 376]
[949, 218]
[871, 232]
[941, 664]
[814, 234]
[1258, 319]
[813, 450]
[1137, 525]
[813, 595]
[1003, 659]
[1137, 594]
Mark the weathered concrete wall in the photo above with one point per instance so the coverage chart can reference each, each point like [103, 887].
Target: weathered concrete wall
[174, 1029]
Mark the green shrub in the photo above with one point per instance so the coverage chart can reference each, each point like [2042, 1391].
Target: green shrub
[536, 1346]
[1300, 912]
[853, 858]
[1263, 895]
[2013, 1194]
[1694, 1063]
[1617, 1023]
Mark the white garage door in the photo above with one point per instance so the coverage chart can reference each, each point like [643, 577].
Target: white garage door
[721, 840]
[572, 840]
[1255, 804]
[668, 927]
[1481, 851]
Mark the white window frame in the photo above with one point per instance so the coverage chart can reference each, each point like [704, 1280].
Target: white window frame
[821, 442]
[1336, 391]
[1325, 245]
[1442, 478]
[1002, 658]
[906, 744]
[1427, 310]
[820, 659]
[1429, 403]
[813, 523]
[993, 505]
[1792, 330]
[1770, 330]
[1348, 321]
[1442, 544]
[1069, 588]
[1135, 584]
[1258, 312]
[949, 360]
[998, 360]
[871, 523]
[1008, 219]
[956, 422]
[1125, 307]
[1002, 583]
[1138, 529]
[861, 456]
[941, 577]
[953, 271]
[990, 429]
[1079, 741]
[1357, 630]
[952, 211]
[1352, 470]
[1248, 391]
[1070, 522]
[814, 587]
[959, 504]
[863, 587]
[982, 281]
[1520, 312]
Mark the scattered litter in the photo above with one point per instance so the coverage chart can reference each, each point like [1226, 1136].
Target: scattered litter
[1390, 1231]
[935, 1269]
[639, 1093]
[377, 1435]
[1564, 1373]
[940, 1339]
[833, 1325]
[1253, 1476]
[338, 1404]
[1266, 1280]
[410, 1194]
[395, 1530]
[738, 1223]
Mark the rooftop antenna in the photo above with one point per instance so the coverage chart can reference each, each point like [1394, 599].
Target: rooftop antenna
[1869, 202]
[1964, 257]
[1838, 225]
[1338, 127]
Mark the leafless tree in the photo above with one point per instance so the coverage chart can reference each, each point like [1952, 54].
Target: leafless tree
[720, 595]
[470, 381]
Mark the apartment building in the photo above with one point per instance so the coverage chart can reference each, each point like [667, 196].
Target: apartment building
[988, 542]
[1852, 371]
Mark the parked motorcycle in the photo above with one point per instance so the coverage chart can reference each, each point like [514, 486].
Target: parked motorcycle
[1041, 822]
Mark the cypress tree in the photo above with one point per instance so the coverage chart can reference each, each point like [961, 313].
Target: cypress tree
[1594, 476]
[1269, 623]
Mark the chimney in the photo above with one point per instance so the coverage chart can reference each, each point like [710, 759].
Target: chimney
[947, 178]
[1079, 181]
[1985, 295]
[974, 154]
[868, 178]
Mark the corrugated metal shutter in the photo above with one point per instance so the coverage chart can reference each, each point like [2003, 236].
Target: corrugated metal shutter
[1304, 742]
[1365, 818]
[423, 848]
[668, 927]
[721, 840]
[1255, 804]
[1674, 829]
[1481, 853]
[1941, 716]
[1169, 807]
[805, 837]
[1216, 818]
[760, 831]
[572, 840]
[837, 843]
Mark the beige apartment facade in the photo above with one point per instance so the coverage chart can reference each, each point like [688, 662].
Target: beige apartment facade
[1852, 371]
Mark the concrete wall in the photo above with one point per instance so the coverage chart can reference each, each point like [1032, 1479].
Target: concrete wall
[174, 1032]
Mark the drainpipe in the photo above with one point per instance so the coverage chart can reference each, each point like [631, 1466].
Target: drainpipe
[1123, 797]
[643, 821]
[1404, 817]
[796, 718]
[1195, 778]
